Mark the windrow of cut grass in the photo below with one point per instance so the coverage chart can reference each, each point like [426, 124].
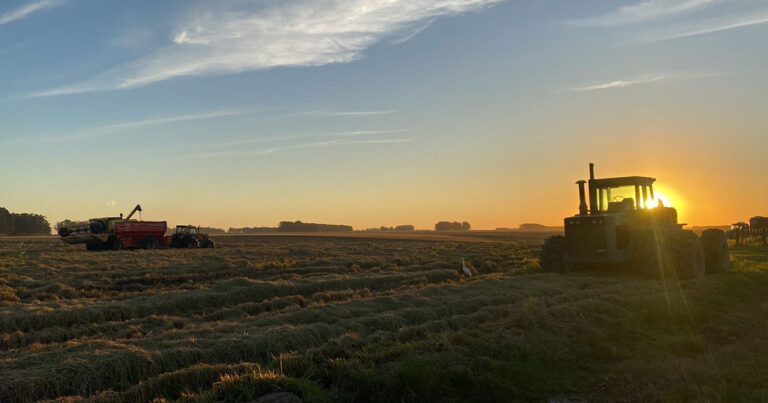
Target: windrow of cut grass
[127, 316]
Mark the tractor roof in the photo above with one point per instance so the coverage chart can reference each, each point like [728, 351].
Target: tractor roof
[623, 181]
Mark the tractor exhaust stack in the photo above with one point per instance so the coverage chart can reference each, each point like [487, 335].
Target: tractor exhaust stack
[583, 210]
[593, 208]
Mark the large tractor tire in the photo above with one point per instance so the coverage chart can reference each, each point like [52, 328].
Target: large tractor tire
[552, 257]
[92, 246]
[686, 254]
[114, 243]
[191, 243]
[667, 254]
[647, 253]
[716, 256]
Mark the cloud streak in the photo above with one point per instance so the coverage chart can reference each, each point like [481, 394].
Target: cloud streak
[350, 113]
[630, 82]
[317, 144]
[287, 33]
[111, 129]
[643, 11]
[26, 10]
[712, 27]
[640, 80]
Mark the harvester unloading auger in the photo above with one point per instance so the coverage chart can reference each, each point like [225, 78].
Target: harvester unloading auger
[632, 233]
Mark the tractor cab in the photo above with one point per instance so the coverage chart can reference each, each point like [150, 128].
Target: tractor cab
[187, 230]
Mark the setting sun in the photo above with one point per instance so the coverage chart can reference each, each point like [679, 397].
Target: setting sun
[659, 197]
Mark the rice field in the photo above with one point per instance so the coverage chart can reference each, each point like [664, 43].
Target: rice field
[370, 318]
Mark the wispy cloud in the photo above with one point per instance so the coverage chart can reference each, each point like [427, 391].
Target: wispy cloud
[643, 11]
[618, 83]
[711, 26]
[350, 113]
[171, 119]
[26, 10]
[639, 80]
[257, 140]
[287, 33]
[111, 129]
[271, 150]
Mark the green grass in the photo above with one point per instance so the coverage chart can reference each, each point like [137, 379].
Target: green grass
[368, 319]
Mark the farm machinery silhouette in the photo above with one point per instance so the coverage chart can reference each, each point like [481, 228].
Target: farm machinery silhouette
[636, 233]
[115, 233]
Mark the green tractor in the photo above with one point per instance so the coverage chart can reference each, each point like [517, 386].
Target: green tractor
[189, 236]
[625, 226]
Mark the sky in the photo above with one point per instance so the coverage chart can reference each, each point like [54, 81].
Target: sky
[379, 112]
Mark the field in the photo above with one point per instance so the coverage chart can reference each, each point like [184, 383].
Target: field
[371, 318]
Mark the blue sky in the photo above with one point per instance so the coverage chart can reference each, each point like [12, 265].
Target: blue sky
[369, 113]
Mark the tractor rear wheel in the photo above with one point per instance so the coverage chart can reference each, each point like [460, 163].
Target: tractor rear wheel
[191, 243]
[552, 257]
[716, 256]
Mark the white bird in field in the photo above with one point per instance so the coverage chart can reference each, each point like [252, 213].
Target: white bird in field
[465, 269]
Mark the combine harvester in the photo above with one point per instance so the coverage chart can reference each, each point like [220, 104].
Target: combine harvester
[632, 233]
[115, 233]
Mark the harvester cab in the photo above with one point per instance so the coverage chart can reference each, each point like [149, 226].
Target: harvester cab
[620, 221]
[189, 236]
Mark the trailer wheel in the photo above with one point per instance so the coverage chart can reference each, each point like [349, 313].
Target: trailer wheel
[552, 257]
[92, 246]
[149, 243]
[716, 254]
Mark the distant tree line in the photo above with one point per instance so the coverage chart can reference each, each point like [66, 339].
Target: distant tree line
[452, 226]
[211, 230]
[251, 230]
[399, 228]
[23, 224]
[298, 226]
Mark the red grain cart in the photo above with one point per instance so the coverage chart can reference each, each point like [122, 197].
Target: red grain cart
[138, 234]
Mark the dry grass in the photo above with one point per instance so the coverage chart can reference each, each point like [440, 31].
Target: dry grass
[369, 318]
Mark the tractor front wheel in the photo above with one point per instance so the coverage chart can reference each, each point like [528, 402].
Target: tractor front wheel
[686, 254]
[91, 246]
[114, 243]
[667, 254]
[552, 257]
[207, 243]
